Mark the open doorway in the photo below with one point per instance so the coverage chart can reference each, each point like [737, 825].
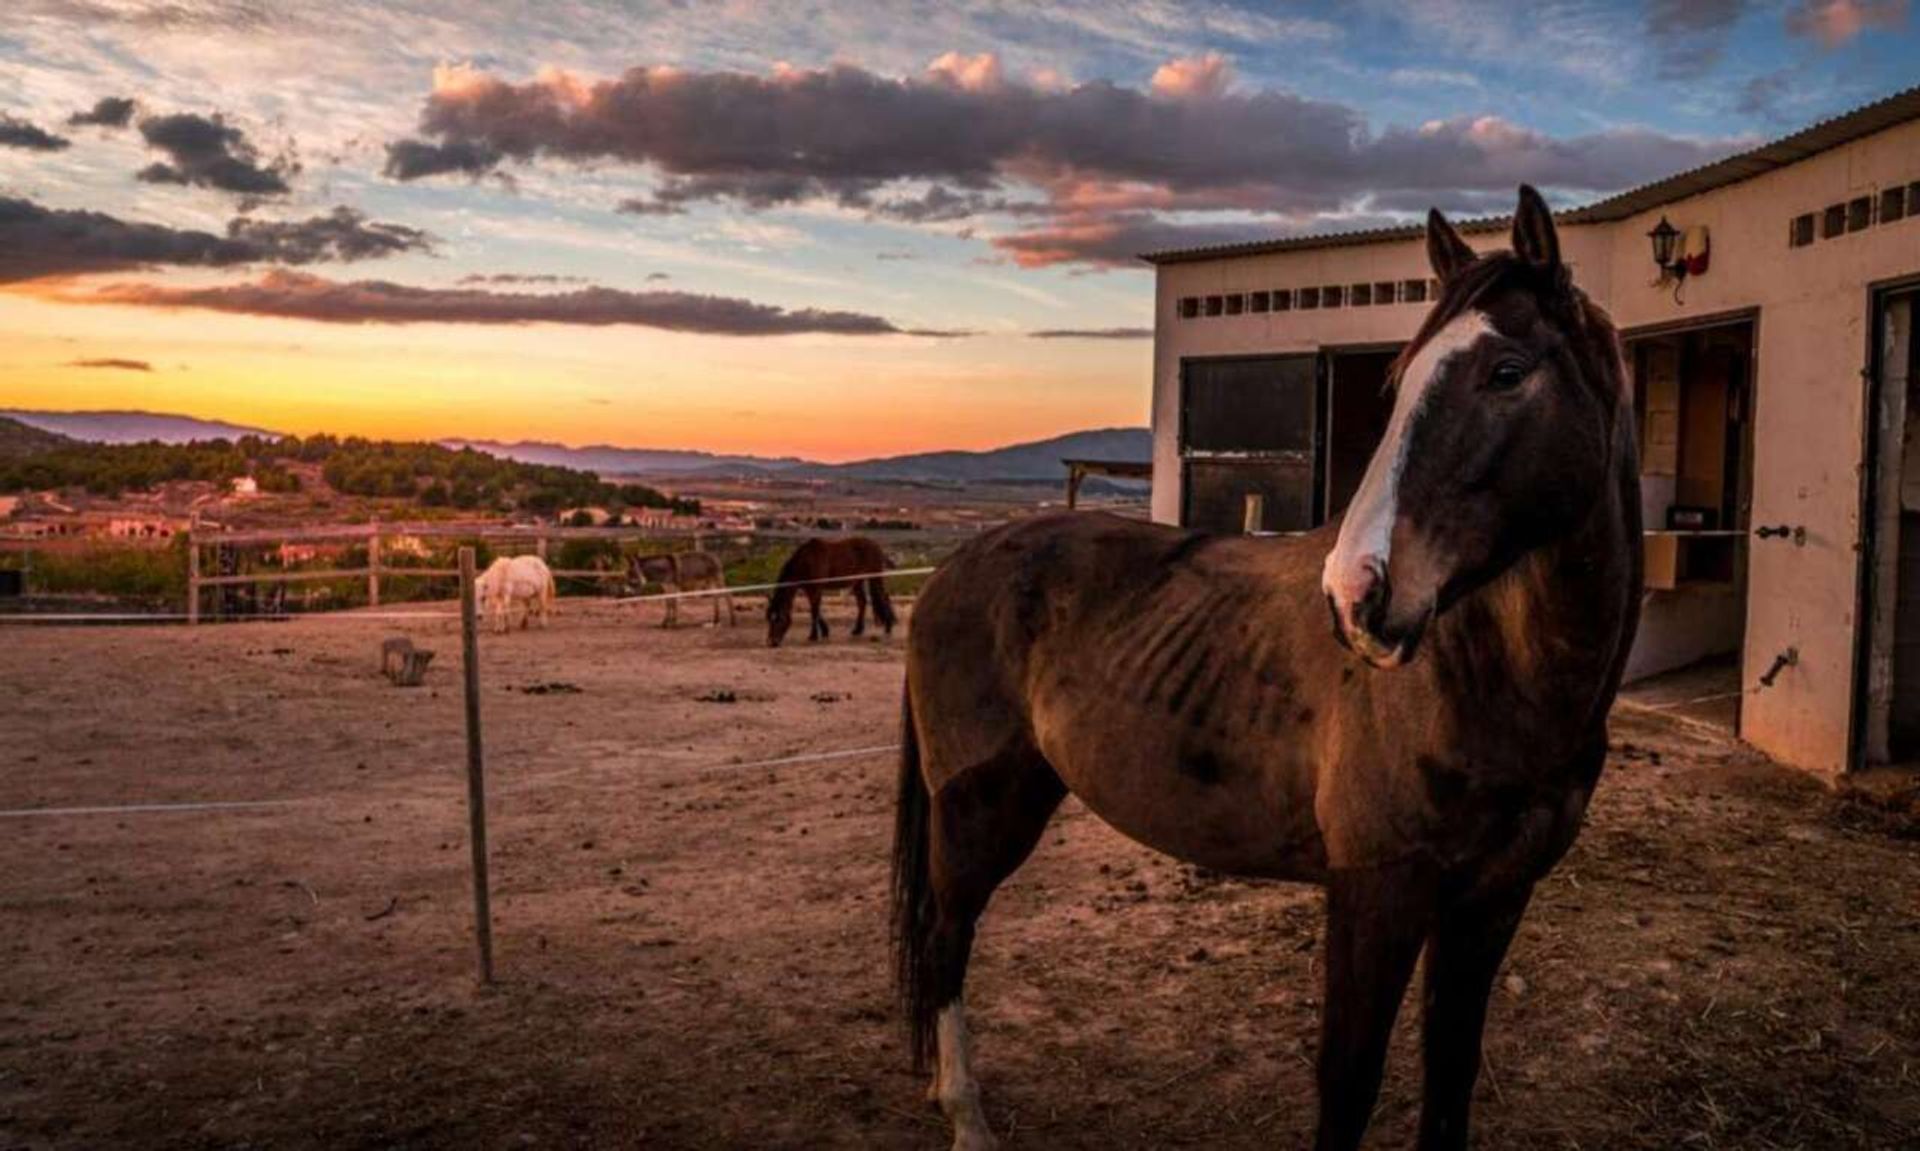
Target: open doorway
[1358, 407]
[1693, 400]
[1889, 697]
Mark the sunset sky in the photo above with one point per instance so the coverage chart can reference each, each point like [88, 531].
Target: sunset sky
[833, 230]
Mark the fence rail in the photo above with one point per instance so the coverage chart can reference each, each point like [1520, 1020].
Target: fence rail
[378, 535]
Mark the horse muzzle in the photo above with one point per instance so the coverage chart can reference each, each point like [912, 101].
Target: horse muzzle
[1364, 619]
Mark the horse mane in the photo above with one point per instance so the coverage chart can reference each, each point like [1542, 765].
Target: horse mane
[789, 572]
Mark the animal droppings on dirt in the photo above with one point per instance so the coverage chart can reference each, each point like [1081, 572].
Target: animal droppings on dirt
[830, 696]
[718, 695]
[555, 688]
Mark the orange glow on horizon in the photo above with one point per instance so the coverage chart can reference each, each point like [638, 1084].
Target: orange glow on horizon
[830, 398]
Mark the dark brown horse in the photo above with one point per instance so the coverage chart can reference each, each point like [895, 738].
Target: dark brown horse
[1427, 760]
[820, 566]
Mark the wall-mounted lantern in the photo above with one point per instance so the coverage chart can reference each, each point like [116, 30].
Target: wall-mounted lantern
[1664, 237]
[1679, 254]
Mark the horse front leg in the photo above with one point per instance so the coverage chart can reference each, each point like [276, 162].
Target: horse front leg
[1463, 956]
[1377, 918]
[818, 630]
[860, 609]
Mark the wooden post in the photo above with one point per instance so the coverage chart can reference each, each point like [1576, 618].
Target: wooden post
[193, 571]
[373, 565]
[540, 547]
[476, 770]
[1074, 476]
[1256, 513]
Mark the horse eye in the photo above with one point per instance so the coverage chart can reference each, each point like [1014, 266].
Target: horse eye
[1507, 375]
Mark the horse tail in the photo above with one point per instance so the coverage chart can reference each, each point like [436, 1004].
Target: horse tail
[913, 906]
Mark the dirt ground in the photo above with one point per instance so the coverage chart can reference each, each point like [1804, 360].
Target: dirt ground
[692, 953]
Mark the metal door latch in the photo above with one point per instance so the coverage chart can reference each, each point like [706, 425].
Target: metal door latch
[1795, 532]
[1783, 661]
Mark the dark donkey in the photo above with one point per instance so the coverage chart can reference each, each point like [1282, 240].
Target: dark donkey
[1188, 689]
[820, 566]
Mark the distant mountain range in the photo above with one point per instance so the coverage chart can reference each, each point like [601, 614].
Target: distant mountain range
[132, 427]
[1039, 460]
[609, 460]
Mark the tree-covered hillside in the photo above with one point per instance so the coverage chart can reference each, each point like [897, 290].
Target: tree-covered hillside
[429, 474]
[18, 440]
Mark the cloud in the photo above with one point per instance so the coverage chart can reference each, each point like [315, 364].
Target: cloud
[340, 235]
[297, 295]
[415, 159]
[37, 242]
[963, 139]
[113, 364]
[21, 134]
[1196, 77]
[1114, 241]
[979, 73]
[1836, 22]
[519, 278]
[1690, 36]
[1761, 95]
[658, 277]
[1092, 334]
[107, 112]
[208, 152]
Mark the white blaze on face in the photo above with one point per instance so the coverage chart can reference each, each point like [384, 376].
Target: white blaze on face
[1366, 536]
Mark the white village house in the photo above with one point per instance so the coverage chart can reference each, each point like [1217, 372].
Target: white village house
[1772, 390]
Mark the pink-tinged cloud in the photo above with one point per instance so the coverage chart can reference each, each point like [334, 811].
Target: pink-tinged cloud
[1195, 77]
[965, 137]
[1837, 22]
[297, 295]
[1112, 241]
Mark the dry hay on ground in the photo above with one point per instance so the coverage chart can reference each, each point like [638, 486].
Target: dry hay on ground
[695, 957]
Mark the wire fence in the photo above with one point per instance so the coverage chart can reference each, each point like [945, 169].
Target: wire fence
[377, 614]
[226, 573]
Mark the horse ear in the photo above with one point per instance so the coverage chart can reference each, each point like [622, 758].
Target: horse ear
[1446, 251]
[1535, 239]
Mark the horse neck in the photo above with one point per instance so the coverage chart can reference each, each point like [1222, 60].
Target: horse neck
[1551, 634]
[784, 593]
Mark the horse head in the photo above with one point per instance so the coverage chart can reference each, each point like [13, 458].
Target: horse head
[779, 617]
[1500, 440]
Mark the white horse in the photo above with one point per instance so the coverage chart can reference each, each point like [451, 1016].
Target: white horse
[524, 580]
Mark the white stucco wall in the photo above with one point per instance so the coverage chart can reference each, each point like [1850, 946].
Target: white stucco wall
[1809, 404]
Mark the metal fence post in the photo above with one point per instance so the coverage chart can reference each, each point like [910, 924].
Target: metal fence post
[193, 571]
[476, 769]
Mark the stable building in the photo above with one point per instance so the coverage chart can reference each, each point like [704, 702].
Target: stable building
[1768, 303]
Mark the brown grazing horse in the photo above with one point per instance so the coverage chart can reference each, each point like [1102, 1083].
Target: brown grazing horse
[1188, 689]
[819, 566]
[682, 571]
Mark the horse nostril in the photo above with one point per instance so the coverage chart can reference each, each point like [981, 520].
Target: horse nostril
[1371, 611]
